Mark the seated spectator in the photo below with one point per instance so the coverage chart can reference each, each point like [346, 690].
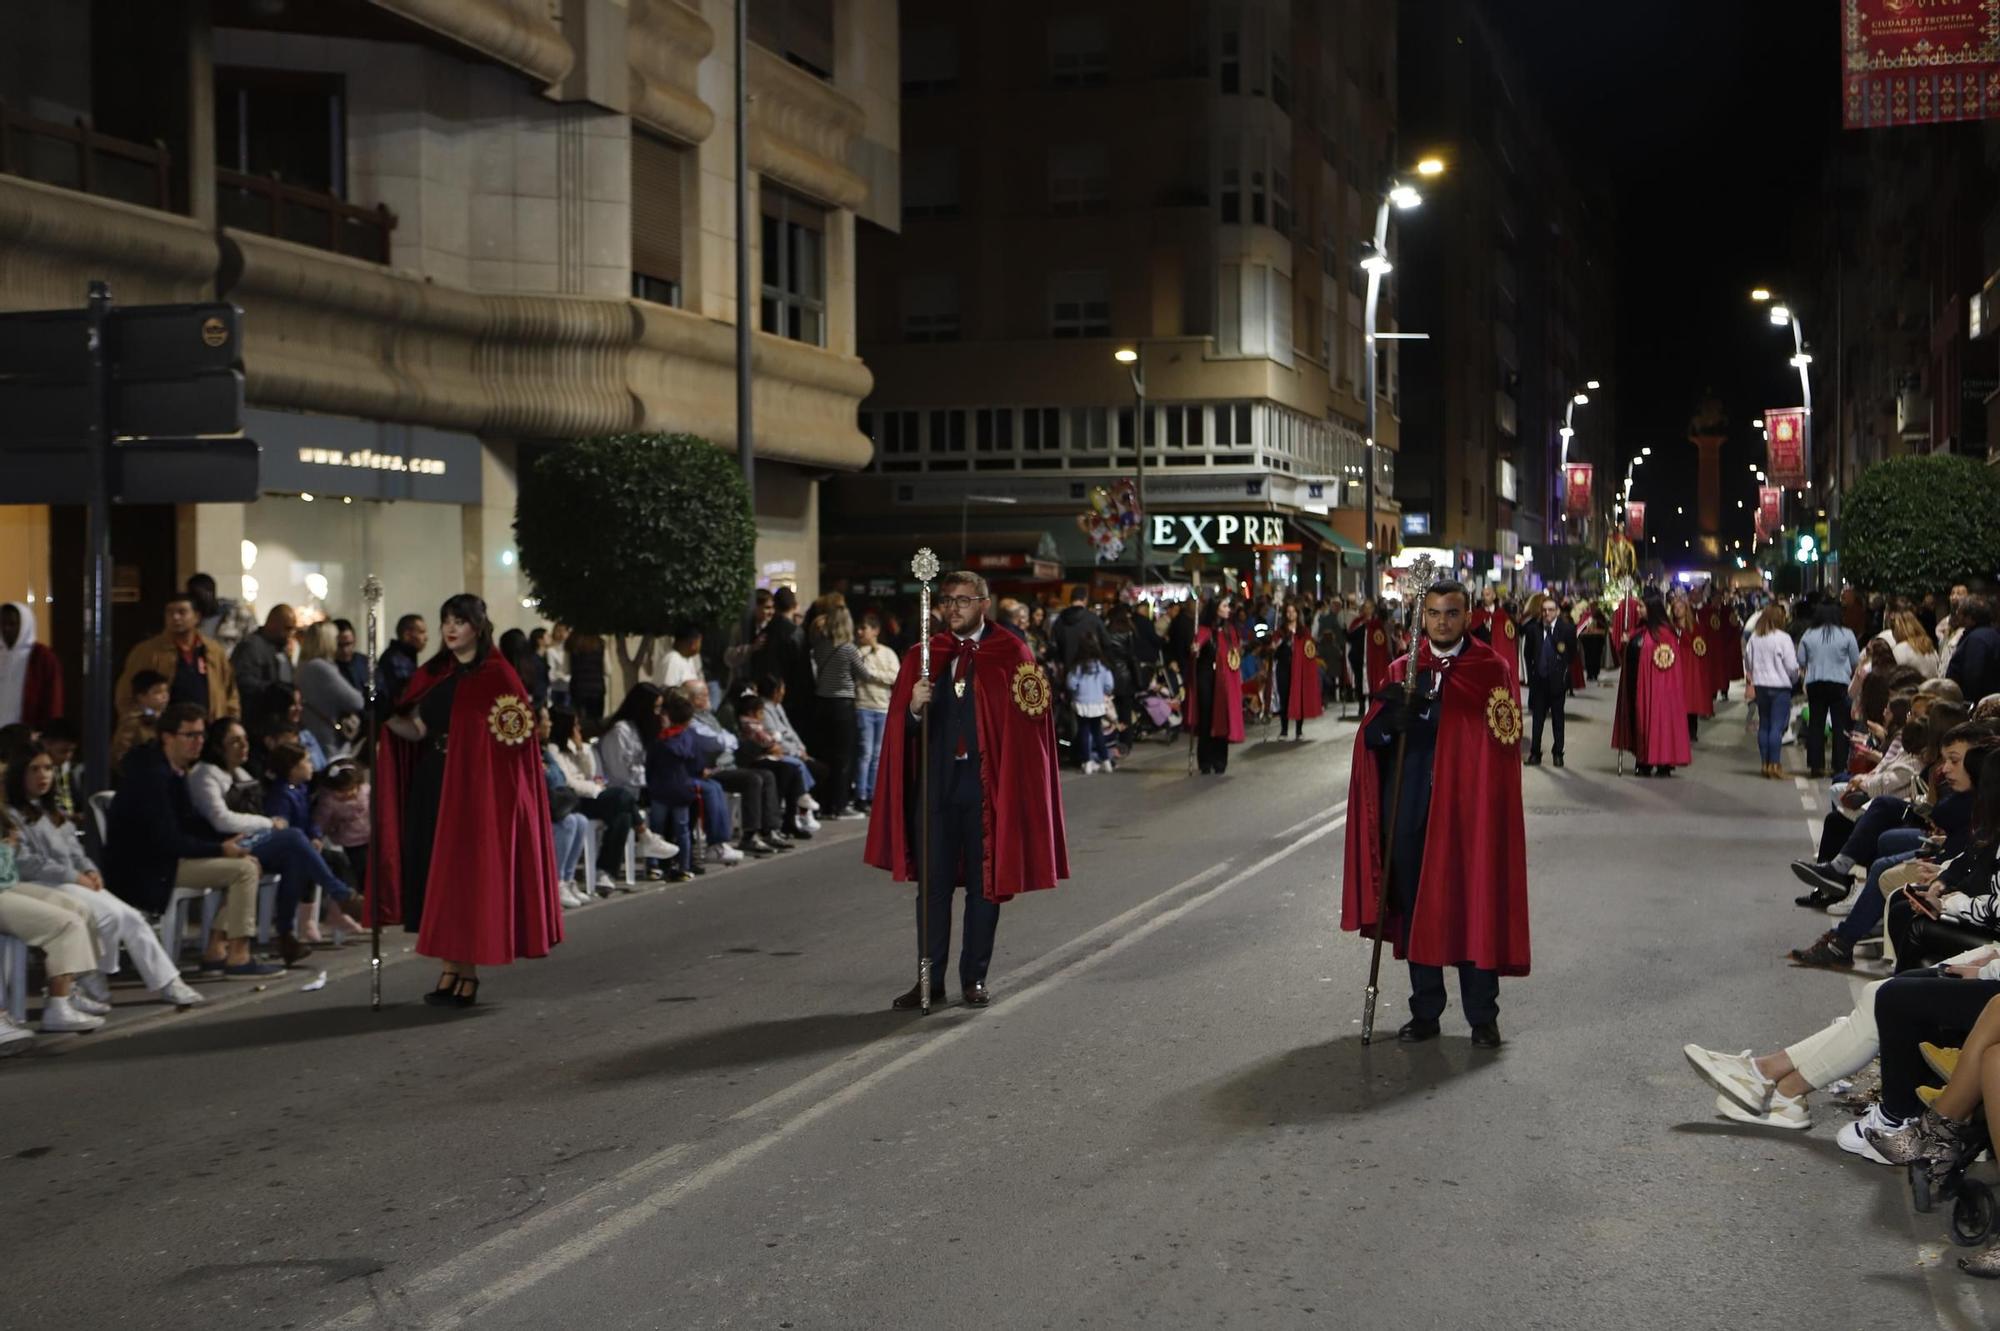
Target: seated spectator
[619, 808]
[1912, 645]
[633, 726]
[44, 918]
[679, 788]
[762, 749]
[64, 741]
[763, 809]
[1975, 662]
[288, 802]
[1949, 904]
[155, 842]
[49, 851]
[136, 726]
[331, 705]
[282, 722]
[1845, 842]
[773, 691]
[230, 800]
[567, 823]
[340, 809]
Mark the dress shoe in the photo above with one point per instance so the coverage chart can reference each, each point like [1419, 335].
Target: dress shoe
[1416, 1031]
[914, 999]
[1559, 760]
[1533, 760]
[1486, 1035]
[975, 994]
[292, 950]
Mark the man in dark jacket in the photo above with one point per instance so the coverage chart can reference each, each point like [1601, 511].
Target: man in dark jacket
[155, 844]
[1975, 665]
[1077, 624]
[262, 662]
[781, 650]
[1549, 643]
[1180, 636]
[679, 787]
[400, 661]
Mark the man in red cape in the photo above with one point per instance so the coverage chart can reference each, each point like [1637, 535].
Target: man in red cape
[1492, 625]
[996, 819]
[1459, 895]
[1378, 646]
[1213, 712]
[1302, 693]
[1697, 666]
[490, 895]
[1650, 720]
[1627, 620]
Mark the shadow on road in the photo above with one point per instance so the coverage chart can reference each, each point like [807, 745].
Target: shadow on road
[173, 1040]
[753, 1043]
[1337, 1078]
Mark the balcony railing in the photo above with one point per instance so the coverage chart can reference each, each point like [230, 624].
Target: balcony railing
[271, 207]
[75, 156]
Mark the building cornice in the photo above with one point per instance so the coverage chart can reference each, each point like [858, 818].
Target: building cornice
[801, 129]
[517, 33]
[667, 43]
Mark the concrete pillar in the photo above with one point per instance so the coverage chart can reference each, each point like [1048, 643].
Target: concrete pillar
[201, 112]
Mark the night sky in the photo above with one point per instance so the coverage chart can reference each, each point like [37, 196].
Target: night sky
[1708, 124]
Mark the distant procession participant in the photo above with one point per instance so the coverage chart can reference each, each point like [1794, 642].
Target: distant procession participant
[1459, 878]
[1550, 646]
[1650, 721]
[996, 818]
[1697, 671]
[1591, 637]
[1626, 621]
[1215, 694]
[1725, 642]
[1492, 625]
[1373, 643]
[1296, 663]
[464, 849]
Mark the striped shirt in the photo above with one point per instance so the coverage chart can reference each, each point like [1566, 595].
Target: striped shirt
[836, 669]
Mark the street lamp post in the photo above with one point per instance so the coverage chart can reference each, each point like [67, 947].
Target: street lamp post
[1783, 315]
[1376, 264]
[1580, 398]
[1129, 357]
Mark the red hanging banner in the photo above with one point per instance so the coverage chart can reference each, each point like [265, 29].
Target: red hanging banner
[1576, 489]
[1635, 519]
[1919, 62]
[1785, 445]
[1770, 510]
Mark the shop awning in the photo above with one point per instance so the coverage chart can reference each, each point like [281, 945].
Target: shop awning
[1350, 553]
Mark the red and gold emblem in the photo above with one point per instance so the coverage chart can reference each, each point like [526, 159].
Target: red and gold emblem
[1031, 689]
[1663, 657]
[1509, 626]
[1700, 646]
[1312, 650]
[1503, 716]
[1714, 620]
[511, 720]
[1235, 658]
[1381, 639]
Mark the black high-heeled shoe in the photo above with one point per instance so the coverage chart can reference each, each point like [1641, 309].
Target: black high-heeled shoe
[447, 989]
[462, 996]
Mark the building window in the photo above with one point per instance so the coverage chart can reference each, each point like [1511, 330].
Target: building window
[947, 432]
[930, 61]
[1183, 426]
[1089, 429]
[1281, 82]
[930, 308]
[1231, 194]
[1041, 430]
[1080, 305]
[1257, 213]
[656, 219]
[993, 430]
[1078, 179]
[930, 183]
[1079, 54]
[276, 122]
[1229, 66]
[899, 432]
[799, 30]
[1281, 203]
[794, 268]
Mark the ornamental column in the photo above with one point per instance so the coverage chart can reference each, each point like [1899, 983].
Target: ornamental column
[1707, 431]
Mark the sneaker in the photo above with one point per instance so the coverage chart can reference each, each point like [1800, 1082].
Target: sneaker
[1090, 768]
[253, 970]
[1814, 874]
[1827, 952]
[677, 876]
[93, 986]
[1842, 908]
[62, 1016]
[726, 853]
[84, 1003]
[809, 804]
[1735, 1075]
[606, 884]
[180, 994]
[14, 1037]
[1944, 1062]
[798, 833]
[771, 841]
[1785, 1112]
[752, 847]
[653, 846]
[849, 816]
[571, 899]
[1853, 1140]
[808, 824]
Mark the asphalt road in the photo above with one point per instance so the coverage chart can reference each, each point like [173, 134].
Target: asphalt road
[701, 1113]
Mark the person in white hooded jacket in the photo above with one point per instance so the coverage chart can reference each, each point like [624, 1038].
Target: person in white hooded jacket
[31, 688]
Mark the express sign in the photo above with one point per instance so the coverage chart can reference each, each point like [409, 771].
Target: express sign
[1203, 533]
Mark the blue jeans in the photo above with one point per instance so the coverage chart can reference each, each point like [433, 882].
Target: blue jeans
[872, 724]
[1090, 730]
[570, 833]
[1897, 847]
[672, 821]
[286, 852]
[1774, 713]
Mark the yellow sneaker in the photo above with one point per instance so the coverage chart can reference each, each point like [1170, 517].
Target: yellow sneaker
[1944, 1062]
[1929, 1094]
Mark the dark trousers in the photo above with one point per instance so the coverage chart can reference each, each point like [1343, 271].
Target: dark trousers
[1898, 847]
[759, 791]
[618, 809]
[1921, 941]
[1545, 701]
[1478, 990]
[957, 850]
[1860, 838]
[1826, 703]
[791, 784]
[1211, 754]
[840, 734]
[1911, 1009]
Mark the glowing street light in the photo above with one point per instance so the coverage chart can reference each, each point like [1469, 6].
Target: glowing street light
[1403, 196]
[1430, 166]
[1761, 294]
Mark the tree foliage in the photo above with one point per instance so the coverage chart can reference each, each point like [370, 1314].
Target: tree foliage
[1918, 524]
[636, 534]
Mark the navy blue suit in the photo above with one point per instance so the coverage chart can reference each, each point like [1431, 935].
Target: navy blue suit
[957, 826]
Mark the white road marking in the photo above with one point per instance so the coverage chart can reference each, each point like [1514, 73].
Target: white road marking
[622, 1219]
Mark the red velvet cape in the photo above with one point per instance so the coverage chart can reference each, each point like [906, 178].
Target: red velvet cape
[41, 688]
[1227, 723]
[1576, 680]
[1027, 849]
[1378, 653]
[1627, 620]
[1725, 646]
[491, 896]
[1661, 712]
[1303, 702]
[1698, 669]
[1506, 634]
[1472, 901]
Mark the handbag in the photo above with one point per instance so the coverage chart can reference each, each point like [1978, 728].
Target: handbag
[563, 801]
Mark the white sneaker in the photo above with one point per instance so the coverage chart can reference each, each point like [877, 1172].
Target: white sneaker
[810, 823]
[181, 994]
[14, 1037]
[61, 1016]
[1842, 907]
[1854, 1141]
[1090, 768]
[84, 1003]
[93, 986]
[727, 853]
[1735, 1075]
[606, 884]
[653, 846]
[809, 804]
[1785, 1112]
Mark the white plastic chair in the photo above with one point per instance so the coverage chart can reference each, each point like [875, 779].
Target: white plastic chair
[14, 976]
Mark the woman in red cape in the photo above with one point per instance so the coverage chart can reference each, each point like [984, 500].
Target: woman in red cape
[1214, 707]
[1698, 668]
[464, 852]
[1378, 640]
[1626, 621]
[1492, 625]
[1295, 664]
[1725, 643]
[1650, 721]
[1472, 897]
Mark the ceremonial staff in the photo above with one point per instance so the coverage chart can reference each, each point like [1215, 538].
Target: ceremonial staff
[925, 567]
[371, 592]
[1421, 573]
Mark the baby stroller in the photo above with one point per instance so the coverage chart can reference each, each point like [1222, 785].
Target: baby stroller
[1158, 715]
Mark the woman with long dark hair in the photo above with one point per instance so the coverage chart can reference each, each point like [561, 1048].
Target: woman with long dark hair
[1215, 694]
[1650, 721]
[464, 854]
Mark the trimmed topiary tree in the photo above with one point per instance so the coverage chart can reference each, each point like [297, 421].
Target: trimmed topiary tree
[1918, 524]
[633, 535]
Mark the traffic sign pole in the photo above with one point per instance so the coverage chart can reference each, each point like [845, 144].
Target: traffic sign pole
[97, 617]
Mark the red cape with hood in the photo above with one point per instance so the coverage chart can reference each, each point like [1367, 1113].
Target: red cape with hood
[31, 668]
[491, 896]
[1378, 652]
[1505, 641]
[1472, 901]
[1303, 701]
[1698, 669]
[1650, 721]
[1227, 723]
[1026, 847]
[1725, 645]
[1627, 620]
